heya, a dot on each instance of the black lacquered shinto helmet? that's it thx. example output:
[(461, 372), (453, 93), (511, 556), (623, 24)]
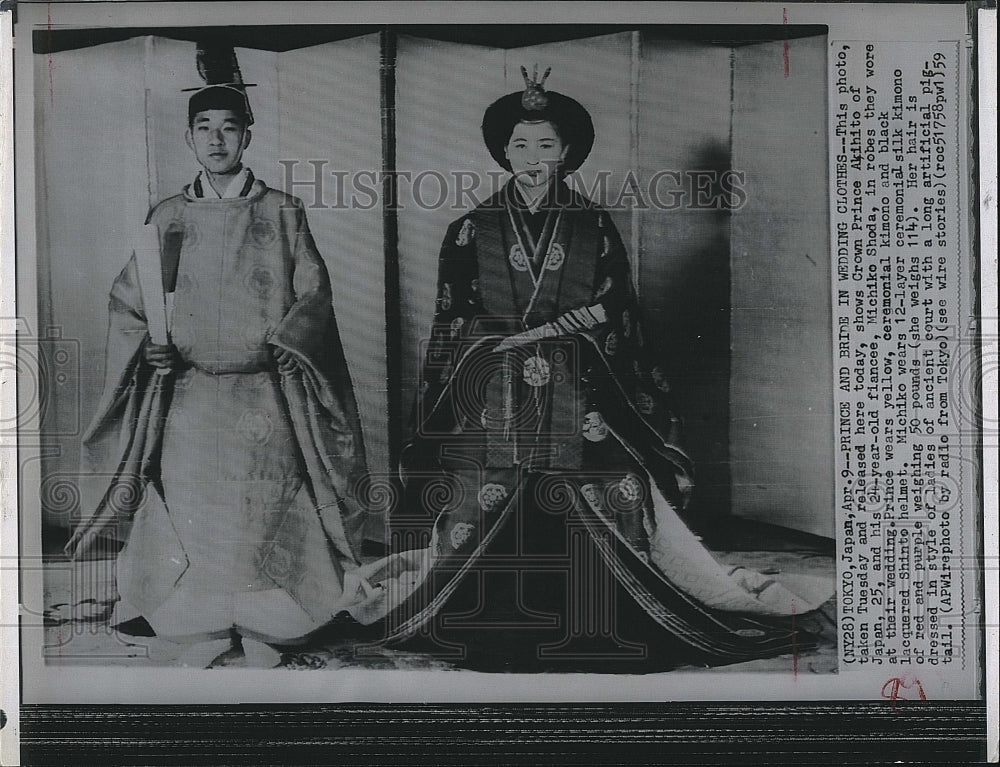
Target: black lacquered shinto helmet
[(534, 104)]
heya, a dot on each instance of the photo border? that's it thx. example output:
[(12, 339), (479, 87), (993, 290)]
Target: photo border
[(681, 733)]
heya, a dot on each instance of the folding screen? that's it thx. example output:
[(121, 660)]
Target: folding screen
[(781, 430), (107, 150), (441, 92), (330, 113), (738, 300), (683, 260), (92, 194)]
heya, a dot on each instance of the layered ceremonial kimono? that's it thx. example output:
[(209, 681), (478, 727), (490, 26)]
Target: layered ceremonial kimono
[(230, 483), (547, 471)]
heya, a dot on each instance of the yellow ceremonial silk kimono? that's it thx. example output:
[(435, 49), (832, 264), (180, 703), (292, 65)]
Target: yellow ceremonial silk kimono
[(230, 483)]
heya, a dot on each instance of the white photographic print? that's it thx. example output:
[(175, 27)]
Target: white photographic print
[(443, 359)]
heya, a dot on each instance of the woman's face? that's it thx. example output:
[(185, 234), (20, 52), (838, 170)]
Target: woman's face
[(535, 151)]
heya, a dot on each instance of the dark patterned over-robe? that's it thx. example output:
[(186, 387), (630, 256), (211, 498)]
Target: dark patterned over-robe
[(546, 471)]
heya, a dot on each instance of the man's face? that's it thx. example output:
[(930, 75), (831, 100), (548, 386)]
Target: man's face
[(218, 138), (535, 151)]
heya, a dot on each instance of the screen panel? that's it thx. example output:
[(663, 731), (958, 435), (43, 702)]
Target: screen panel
[(781, 419)]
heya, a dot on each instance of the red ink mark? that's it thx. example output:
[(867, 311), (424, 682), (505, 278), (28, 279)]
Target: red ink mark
[(784, 52), (903, 688)]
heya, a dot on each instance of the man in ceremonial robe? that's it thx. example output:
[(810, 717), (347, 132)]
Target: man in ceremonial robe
[(228, 452)]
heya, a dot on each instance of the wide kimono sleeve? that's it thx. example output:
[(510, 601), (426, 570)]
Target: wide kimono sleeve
[(633, 356), (120, 445), (457, 306), (632, 370), (636, 360), (320, 394)]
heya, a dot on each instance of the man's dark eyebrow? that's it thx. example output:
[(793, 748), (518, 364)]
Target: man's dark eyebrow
[(233, 120)]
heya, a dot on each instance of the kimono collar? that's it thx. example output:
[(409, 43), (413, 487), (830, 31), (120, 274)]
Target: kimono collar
[(239, 186), (557, 196)]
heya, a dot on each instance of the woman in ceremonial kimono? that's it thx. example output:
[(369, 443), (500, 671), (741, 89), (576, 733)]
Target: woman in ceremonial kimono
[(548, 452), (227, 440)]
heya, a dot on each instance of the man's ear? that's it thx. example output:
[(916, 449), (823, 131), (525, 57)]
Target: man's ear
[(189, 139), (565, 152), (246, 138)]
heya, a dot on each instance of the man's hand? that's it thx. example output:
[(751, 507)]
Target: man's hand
[(287, 364), (163, 356)]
